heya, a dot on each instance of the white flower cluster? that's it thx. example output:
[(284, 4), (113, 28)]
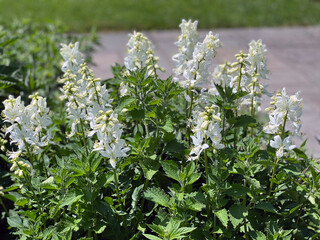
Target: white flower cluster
[(245, 74), (207, 127), (30, 127), (257, 58), (84, 94), (109, 131), (141, 54), (186, 44), (88, 101), (286, 110), (280, 145), (194, 67)]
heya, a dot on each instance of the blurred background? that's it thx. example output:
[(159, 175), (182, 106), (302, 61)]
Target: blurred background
[(106, 15)]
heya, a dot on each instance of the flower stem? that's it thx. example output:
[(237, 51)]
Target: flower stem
[(273, 173), (4, 207), (117, 187)]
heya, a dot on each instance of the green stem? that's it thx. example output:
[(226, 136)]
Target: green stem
[(119, 200), (146, 128), (283, 131), (117, 187), (245, 219), (189, 114), (4, 207), (83, 137), (273, 173), (214, 226)]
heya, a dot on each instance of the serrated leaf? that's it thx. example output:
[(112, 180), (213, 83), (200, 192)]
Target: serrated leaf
[(151, 237), (267, 206), (49, 184), (237, 214), (70, 198), (168, 127), (158, 196), (194, 205), (14, 220), (223, 216), (175, 146), (124, 102), (136, 195), (257, 235), (21, 202), (237, 190), (178, 233), (171, 169), (150, 167)]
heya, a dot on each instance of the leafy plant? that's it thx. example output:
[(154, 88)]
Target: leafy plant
[(139, 157)]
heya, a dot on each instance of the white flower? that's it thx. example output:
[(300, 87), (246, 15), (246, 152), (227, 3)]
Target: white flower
[(197, 69), (214, 133), (73, 58), (287, 108), (276, 119), (30, 125), (257, 58), (141, 54), (197, 141), (280, 145)]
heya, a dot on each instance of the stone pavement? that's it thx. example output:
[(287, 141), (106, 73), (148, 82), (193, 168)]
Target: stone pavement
[(293, 61)]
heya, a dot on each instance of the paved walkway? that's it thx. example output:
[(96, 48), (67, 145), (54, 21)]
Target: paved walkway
[(293, 60)]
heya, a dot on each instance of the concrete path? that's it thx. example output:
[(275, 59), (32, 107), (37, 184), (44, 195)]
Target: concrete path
[(293, 60)]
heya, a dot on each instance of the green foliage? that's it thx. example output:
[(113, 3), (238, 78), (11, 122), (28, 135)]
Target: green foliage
[(240, 191), (30, 60)]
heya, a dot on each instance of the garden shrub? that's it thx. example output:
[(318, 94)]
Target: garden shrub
[(139, 157)]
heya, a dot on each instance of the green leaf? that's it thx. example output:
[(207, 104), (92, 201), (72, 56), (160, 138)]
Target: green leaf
[(237, 190), (136, 195), (223, 216), (267, 206), (237, 214), (157, 228), (158, 196), (95, 162), (168, 127), (150, 167), (175, 146), (152, 237), (171, 169), (257, 235), (194, 205), (137, 114), (14, 220), (178, 233), (242, 121), (70, 198), (49, 184), (124, 102), (22, 201)]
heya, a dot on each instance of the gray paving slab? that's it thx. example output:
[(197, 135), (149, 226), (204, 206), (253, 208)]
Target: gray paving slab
[(293, 60)]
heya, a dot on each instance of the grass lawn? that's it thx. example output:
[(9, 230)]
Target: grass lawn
[(81, 15)]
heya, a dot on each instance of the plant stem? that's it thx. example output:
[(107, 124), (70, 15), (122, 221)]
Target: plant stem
[(245, 219), (117, 187), (273, 173), (4, 207), (83, 137)]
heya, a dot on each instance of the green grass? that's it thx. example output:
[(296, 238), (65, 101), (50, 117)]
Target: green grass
[(82, 15)]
